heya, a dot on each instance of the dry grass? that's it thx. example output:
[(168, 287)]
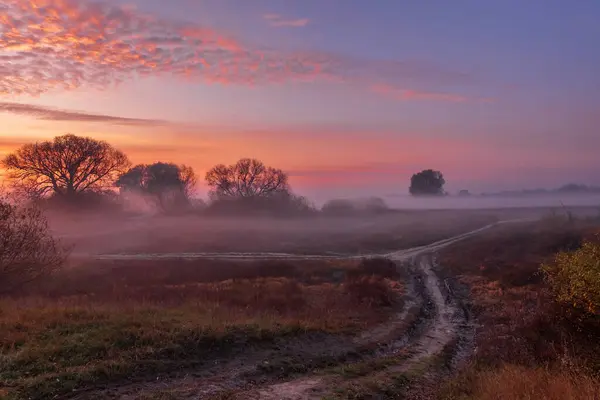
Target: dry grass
[(512, 382), (520, 321), (90, 327), (523, 330)]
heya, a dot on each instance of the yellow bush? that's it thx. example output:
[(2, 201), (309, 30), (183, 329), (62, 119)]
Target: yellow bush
[(575, 277)]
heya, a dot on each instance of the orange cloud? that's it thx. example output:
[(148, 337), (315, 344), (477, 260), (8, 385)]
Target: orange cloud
[(278, 21), (48, 45), (66, 44)]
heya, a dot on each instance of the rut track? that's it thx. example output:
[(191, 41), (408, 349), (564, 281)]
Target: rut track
[(440, 321), (445, 323)]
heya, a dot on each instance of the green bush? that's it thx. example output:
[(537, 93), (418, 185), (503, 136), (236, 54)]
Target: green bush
[(574, 277)]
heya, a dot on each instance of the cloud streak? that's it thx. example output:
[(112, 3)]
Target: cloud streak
[(352, 169), (52, 45), (418, 95), (405, 94), (277, 21), (53, 114)]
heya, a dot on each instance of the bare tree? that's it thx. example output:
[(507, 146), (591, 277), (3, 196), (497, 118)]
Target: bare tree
[(67, 166), (248, 178), (188, 179), (27, 249)]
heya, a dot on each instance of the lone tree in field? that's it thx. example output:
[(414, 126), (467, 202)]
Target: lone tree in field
[(247, 179), (169, 184), (67, 166), (27, 249), (427, 183)]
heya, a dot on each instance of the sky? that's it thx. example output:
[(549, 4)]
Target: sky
[(350, 97)]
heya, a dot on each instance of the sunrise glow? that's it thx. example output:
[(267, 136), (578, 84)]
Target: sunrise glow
[(348, 98)]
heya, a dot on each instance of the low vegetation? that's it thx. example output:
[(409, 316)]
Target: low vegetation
[(27, 249), (515, 382), (105, 323), (574, 278), (531, 343)]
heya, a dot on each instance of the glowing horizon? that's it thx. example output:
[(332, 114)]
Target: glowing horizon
[(340, 109)]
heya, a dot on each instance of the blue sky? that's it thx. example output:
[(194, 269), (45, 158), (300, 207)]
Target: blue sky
[(496, 94)]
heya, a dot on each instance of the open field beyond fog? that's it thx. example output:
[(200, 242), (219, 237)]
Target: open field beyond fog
[(339, 328), (388, 231)]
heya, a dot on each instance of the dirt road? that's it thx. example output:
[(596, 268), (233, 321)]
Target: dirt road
[(430, 322), (445, 323)]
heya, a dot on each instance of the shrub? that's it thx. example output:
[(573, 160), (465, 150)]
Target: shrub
[(342, 207), (27, 249), (575, 278), (279, 204), (371, 290), (338, 207), (379, 266)]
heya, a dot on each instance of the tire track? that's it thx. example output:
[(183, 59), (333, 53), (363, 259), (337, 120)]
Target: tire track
[(445, 323), (440, 321)]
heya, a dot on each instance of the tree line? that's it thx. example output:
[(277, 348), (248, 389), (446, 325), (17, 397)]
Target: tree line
[(71, 167)]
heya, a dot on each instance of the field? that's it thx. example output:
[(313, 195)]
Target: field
[(145, 310), (527, 345), (389, 231), (103, 325)]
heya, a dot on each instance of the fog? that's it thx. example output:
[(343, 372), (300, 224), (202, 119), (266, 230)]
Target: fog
[(493, 202), (140, 230)]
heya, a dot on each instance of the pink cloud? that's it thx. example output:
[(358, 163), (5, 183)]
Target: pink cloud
[(278, 21), (51, 45), (407, 94), (65, 44)]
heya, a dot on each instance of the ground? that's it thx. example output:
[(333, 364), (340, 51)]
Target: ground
[(389, 307)]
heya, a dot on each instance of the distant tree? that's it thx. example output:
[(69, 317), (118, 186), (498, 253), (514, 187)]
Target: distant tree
[(168, 184), (353, 206), (67, 166), (464, 193), (250, 187), (427, 183), (573, 188), (339, 207), (248, 178), (28, 251), (374, 204)]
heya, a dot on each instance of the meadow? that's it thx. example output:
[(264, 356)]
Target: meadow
[(91, 326), (350, 325)]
